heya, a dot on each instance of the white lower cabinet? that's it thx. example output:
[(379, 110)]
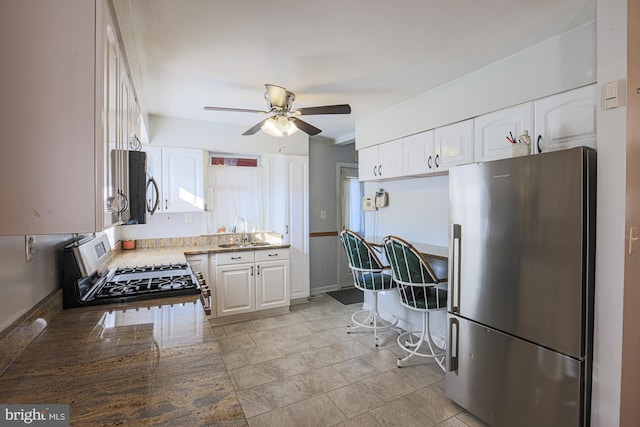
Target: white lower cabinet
[(270, 277), (249, 281)]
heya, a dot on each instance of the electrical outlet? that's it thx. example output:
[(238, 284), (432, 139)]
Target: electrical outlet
[(187, 218), (323, 214), (29, 247), (169, 218)]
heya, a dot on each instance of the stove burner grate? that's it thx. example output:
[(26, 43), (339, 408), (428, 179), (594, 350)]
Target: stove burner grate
[(137, 281)]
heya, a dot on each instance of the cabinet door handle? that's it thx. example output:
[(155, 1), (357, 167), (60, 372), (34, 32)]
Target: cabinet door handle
[(258, 267), (252, 270), (455, 267), (375, 171), (429, 162), (236, 257), (272, 255), (125, 202), (380, 170), (437, 157), (166, 203), (538, 143)]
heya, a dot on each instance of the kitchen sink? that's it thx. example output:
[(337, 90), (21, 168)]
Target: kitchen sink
[(243, 245)]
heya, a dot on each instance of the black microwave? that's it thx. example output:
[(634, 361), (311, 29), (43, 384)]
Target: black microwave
[(137, 187)]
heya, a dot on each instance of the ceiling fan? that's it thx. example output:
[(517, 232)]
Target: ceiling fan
[(285, 121)]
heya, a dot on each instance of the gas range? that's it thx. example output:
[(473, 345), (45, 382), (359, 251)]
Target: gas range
[(87, 281), (176, 279)]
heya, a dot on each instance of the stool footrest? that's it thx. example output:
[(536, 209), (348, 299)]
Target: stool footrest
[(419, 344), (373, 321)]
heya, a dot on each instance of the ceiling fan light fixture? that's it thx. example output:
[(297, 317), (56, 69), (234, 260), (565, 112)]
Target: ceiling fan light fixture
[(279, 126)]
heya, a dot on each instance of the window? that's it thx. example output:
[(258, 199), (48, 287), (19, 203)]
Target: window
[(236, 189)]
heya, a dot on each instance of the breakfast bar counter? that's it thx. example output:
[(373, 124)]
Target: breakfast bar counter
[(153, 362), (436, 251)]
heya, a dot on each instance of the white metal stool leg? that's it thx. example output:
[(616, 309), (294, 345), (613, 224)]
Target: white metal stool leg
[(373, 321), (405, 341)]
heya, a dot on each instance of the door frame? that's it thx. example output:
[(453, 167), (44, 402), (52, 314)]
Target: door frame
[(339, 248)]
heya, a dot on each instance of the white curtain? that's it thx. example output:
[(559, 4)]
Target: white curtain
[(352, 214), (236, 192)]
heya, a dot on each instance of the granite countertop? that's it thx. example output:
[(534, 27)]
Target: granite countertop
[(152, 362), (173, 254)]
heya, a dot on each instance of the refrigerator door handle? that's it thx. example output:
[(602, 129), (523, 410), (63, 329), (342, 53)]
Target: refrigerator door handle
[(454, 263), (452, 348)]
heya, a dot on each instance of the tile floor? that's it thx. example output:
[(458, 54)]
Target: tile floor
[(303, 369)]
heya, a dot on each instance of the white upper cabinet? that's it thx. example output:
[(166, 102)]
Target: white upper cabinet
[(368, 164), (391, 159), (492, 130), (419, 153), (182, 179), (566, 120), (453, 145), (59, 117), (382, 161)]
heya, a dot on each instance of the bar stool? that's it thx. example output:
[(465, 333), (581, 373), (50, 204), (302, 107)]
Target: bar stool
[(369, 275), (420, 290)]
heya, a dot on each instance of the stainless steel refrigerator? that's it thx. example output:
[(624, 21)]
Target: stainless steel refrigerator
[(521, 277)]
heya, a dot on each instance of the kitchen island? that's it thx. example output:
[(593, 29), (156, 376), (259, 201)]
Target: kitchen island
[(153, 362)]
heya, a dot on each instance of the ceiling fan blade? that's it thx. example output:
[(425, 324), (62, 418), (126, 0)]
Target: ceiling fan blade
[(277, 95), (327, 109), (305, 127), (255, 128), (240, 110)]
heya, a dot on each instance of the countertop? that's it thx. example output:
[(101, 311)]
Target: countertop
[(428, 249), (173, 254), (152, 362)]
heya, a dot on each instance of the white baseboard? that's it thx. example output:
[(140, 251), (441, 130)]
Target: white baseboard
[(327, 288)]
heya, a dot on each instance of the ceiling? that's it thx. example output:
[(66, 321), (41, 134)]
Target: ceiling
[(190, 53)]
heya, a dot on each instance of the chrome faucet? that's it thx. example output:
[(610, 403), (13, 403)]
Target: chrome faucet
[(244, 228)]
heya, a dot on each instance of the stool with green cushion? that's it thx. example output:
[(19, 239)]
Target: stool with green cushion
[(369, 275), (420, 290)]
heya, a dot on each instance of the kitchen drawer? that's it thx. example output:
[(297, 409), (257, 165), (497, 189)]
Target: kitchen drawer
[(238, 257), (272, 254)]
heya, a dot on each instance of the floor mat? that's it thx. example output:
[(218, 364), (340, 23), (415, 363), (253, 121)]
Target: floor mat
[(348, 296)]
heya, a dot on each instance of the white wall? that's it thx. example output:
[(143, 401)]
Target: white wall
[(323, 262), (562, 63), (163, 225), (219, 137), (610, 244), (569, 62), (22, 284), (418, 211), (214, 137)]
